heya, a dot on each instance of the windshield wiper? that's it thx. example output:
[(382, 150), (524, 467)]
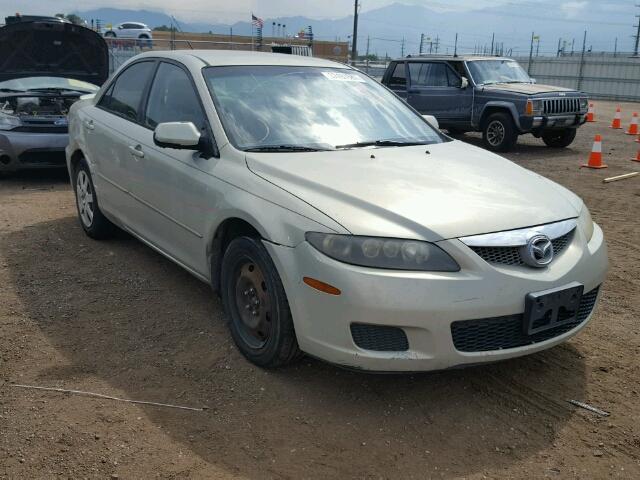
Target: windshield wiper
[(11, 90), (283, 148), (58, 89), (381, 143)]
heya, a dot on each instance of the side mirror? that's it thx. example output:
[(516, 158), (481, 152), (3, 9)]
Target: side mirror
[(120, 27), (182, 135), (431, 120), (464, 83), (533, 80)]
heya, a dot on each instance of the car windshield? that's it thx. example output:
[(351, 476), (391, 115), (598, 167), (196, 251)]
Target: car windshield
[(287, 108), (486, 72), (47, 83)]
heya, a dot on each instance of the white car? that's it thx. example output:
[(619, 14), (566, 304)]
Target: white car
[(330, 216), (129, 30)]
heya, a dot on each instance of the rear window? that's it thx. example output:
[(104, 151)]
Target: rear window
[(125, 95)]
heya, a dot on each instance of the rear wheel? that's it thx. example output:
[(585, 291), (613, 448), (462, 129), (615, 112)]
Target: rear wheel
[(94, 223), (499, 133), (256, 305), (110, 34), (559, 138)]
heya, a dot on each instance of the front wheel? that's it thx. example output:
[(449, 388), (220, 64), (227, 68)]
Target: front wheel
[(256, 305), (499, 133), (110, 35), (559, 138)]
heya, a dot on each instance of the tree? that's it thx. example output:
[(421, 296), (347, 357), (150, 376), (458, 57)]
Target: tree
[(164, 28), (72, 17)]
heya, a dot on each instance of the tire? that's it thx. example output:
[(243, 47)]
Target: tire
[(256, 305), (499, 132), (93, 222), (559, 138), (110, 34)]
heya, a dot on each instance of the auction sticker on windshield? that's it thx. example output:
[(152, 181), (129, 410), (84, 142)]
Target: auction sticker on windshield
[(343, 77)]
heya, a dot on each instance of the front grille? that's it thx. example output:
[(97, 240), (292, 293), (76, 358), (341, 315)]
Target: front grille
[(511, 255), (554, 106), (499, 333), (41, 129), (43, 157), (379, 338)]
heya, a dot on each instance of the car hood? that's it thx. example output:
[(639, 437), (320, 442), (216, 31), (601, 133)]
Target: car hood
[(52, 49), (527, 88), (453, 190)]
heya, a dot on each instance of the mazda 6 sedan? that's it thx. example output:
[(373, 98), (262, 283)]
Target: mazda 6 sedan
[(332, 218)]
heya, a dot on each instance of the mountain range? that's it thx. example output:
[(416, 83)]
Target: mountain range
[(397, 28)]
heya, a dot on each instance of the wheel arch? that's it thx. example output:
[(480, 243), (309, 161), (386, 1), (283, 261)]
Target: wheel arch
[(74, 160), (499, 107)]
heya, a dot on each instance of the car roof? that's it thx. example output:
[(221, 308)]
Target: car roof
[(451, 57), (240, 57)]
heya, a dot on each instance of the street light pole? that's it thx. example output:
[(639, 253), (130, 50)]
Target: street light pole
[(354, 39)]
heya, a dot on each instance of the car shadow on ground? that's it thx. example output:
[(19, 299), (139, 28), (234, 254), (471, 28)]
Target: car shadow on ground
[(527, 144), (120, 312), (43, 178)]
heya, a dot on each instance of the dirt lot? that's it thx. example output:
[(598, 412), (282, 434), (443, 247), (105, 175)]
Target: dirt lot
[(119, 319)]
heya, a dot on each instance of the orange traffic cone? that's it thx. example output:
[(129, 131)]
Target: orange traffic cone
[(617, 120), (591, 113), (633, 128), (637, 157), (595, 158)]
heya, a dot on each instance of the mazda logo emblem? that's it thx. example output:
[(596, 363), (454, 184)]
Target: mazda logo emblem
[(538, 252)]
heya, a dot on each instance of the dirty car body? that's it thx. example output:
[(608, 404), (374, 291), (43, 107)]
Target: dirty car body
[(330, 216), (45, 66)]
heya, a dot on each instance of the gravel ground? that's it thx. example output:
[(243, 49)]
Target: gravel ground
[(118, 319)]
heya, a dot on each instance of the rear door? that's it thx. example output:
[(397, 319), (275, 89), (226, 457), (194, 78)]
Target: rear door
[(434, 89), (397, 79), (111, 126)]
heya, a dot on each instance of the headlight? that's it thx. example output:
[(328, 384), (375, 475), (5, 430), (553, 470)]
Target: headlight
[(9, 122), (584, 103), (534, 107), (388, 253), (586, 223)]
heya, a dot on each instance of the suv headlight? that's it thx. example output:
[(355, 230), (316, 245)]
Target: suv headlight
[(584, 103), (534, 107), (387, 253), (9, 122), (586, 223)]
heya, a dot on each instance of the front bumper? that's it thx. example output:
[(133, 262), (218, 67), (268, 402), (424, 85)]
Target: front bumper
[(423, 304), (23, 150), (546, 122)]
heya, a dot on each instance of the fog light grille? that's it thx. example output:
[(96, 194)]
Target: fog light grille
[(379, 338), (506, 332)]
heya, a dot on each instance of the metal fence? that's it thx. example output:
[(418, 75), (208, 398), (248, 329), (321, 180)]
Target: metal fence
[(601, 76)]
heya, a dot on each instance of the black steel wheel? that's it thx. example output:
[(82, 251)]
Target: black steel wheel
[(256, 304), (499, 132)]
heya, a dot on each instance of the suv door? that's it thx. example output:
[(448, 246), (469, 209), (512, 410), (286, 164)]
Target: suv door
[(110, 127), (435, 89), (397, 79), (174, 185)]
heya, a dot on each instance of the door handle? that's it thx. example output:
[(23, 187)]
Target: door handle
[(136, 151), (89, 124)]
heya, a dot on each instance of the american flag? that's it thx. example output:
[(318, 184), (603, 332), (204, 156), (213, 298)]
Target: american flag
[(258, 22)]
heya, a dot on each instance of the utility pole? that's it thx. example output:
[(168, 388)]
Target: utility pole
[(366, 58), (354, 37), (421, 43), (637, 35), (538, 46), (493, 37), (530, 54), (402, 48), (584, 46), (573, 44), (437, 43), (455, 46), (558, 51), (615, 48)]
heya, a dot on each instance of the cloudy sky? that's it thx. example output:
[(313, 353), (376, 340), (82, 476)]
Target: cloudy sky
[(224, 11)]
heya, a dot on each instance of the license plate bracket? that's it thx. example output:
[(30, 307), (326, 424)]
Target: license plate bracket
[(552, 308)]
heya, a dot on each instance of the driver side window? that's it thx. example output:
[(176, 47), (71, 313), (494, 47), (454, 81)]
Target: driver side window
[(124, 97)]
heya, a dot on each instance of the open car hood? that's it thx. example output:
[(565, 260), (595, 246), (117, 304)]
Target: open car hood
[(52, 49)]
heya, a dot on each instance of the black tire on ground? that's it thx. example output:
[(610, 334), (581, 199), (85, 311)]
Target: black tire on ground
[(110, 34), (93, 222), (256, 305), (559, 138), (499, 132)]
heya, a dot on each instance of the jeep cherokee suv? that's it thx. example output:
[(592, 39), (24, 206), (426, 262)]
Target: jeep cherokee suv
[(491, 95)]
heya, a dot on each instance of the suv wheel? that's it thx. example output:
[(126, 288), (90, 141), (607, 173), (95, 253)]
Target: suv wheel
[(256, 305), (94, 223), (559, 138), (499, 132), (110, 34)]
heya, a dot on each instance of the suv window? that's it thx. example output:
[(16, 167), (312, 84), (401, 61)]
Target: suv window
[(432, 74), (133, 26), (125, 95), (172, 98), (398, 77)]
